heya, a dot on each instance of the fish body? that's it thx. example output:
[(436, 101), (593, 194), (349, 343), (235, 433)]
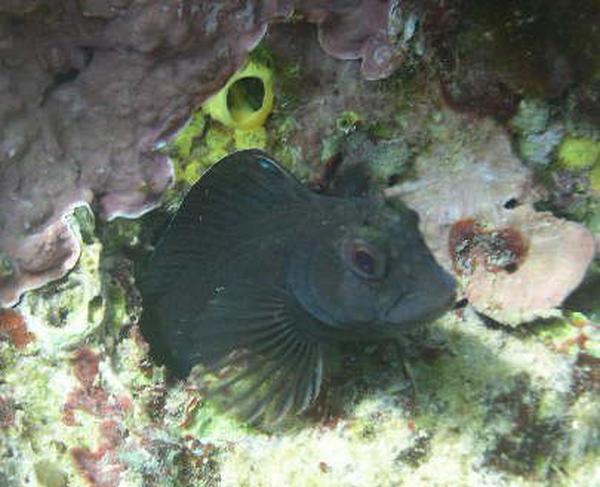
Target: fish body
[(256, 275)]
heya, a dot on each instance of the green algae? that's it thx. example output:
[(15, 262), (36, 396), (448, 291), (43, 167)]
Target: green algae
[(348, 121), (184, 141), (537, 137), (48, 474), (539, 148), (6, 267), (462, 411), (57, 414), (576, 153), (38, 428), (532, 116), (119, 235), (595, 180)]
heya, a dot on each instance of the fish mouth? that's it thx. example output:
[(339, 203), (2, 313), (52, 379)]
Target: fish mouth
[(422, 305)]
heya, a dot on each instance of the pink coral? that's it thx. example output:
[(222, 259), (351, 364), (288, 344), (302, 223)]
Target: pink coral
[(38, 258), (558, 252)]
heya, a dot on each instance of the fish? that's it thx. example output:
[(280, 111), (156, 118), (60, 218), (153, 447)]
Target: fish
[(256, 277)]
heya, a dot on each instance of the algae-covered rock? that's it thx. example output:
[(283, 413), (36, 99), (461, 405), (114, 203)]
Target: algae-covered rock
[(532, 116), (6, 268), (67, 311)]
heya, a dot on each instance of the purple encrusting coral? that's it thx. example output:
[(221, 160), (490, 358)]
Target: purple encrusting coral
[(375, 31), (87, 93)]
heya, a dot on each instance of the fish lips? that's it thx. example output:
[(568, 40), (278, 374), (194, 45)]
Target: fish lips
[(423, 305)]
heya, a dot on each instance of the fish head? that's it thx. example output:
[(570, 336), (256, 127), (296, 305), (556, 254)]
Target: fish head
[(370, 272)]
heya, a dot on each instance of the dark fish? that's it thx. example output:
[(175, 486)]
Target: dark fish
[(256, 275)]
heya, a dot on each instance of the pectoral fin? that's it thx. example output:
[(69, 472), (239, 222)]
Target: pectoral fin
[(261, 346)]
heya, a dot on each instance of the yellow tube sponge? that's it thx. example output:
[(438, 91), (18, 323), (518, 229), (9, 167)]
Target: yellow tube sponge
[(246, 100)]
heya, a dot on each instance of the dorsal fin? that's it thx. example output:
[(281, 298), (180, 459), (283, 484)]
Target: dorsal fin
[(238, 191)]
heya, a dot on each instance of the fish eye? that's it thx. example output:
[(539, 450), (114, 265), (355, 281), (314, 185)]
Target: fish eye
[(365, 259)]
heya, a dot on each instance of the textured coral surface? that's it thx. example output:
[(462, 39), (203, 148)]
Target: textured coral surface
[(87, 92)]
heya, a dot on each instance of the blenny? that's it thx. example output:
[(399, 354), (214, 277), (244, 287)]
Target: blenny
[(256, 276)]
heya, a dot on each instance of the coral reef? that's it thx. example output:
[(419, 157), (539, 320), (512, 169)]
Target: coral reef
[(537, 136), (466, 400), (79, 79), (85, 416), (516, 288), (579, 153), (492, 408), (496, 53)]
